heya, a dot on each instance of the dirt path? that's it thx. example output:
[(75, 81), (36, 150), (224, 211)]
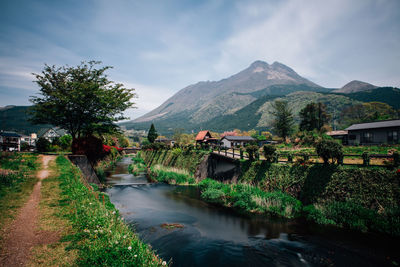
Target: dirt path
[(22, 234)]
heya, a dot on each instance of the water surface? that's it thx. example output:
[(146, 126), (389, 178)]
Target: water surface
[(213, 236)]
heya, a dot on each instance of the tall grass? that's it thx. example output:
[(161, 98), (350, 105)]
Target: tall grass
[(249, 198), (100, 235), (171, 175)]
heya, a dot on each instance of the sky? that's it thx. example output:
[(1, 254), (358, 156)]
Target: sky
[(160, 47)]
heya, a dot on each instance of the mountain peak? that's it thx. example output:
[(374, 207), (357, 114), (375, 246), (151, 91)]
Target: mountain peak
[(259, 63), (355, 86)]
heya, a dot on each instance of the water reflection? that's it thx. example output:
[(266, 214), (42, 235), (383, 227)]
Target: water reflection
[(214, 236)]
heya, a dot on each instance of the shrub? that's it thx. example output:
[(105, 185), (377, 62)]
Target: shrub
[(213, 195), (329, 149), (269, 151), (251, 150), (42, 145)]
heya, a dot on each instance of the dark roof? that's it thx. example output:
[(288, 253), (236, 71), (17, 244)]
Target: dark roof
[(373, 125), (238, 138), (10, 134), (59, 131)]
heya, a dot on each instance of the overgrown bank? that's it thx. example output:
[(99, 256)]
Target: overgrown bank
[(365, 199), (99, 234)]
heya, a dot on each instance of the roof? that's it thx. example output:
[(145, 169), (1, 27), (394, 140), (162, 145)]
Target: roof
[(58, 130), (201, 135), (373, 125), (333, 133), (10, 134), (238, 138)]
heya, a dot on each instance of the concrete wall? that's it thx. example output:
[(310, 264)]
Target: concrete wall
[(218, 167), (84, 165)]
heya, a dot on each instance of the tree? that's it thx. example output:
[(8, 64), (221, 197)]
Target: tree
[(81, 99), (313, 116), (283, 118), (368, 112), (152, 134)]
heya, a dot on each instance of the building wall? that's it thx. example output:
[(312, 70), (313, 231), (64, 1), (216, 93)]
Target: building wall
[(226, 143)]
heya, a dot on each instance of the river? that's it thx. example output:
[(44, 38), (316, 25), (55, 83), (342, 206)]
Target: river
[(213, 236)]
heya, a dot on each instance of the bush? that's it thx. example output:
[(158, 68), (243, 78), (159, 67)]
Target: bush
[(66, 142), (252, 150), (213, 195), (42, 145), (329, 149), (269, 151)]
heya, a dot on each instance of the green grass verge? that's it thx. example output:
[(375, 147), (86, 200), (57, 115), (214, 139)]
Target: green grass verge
[(100, 235)]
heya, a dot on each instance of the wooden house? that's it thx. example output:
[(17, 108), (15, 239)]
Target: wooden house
[(204, 137), (374, 133)]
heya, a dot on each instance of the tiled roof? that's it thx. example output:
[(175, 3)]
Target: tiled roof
[(201, 135), (373, 125)]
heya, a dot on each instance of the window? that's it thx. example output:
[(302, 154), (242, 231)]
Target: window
[(367, 137), (392, 136), (352, 137)]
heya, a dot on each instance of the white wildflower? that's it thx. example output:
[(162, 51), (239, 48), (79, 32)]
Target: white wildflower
[(135, 255), (164, 263), (129, 247)]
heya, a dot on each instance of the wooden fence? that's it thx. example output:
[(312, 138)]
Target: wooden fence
[(356, 159)]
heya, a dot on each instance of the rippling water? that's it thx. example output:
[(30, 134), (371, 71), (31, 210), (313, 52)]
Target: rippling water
[(213, 236)]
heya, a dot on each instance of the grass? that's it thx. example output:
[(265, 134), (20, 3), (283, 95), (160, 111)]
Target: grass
[(17, 178), (171, 175), (249, 198), (106, 164), (137, 166), (100, 236)]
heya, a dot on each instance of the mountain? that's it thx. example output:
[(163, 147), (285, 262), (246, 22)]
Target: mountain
[(198, 103), (388, 95), (15, 118), (355, 86), (206, 100)]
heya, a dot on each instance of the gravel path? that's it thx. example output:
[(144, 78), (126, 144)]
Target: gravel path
[(22, 234)]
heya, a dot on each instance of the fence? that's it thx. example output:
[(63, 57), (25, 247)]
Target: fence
[(355, 159)]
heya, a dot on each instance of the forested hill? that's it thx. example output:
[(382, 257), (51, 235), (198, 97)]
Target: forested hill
[(15, 118)]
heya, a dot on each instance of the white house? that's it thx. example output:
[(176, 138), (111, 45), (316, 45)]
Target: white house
[(230, 141)]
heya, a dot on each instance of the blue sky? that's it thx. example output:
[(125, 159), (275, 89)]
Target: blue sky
[(159, 47)]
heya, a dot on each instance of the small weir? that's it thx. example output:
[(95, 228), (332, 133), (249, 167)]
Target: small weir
[(182, 227)]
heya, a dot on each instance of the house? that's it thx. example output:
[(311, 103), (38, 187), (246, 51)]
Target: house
[(10, 141), (164, 140), (204, 137), (340, 135), (51, 133), (380, 132), (230, 141)]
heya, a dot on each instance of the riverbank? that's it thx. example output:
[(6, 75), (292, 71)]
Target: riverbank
[(85, 228), (363, 199)]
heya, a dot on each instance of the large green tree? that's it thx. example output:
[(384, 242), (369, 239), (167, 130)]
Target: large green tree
[(313, 116), (80, 99), (283, 118), (152, 135)]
